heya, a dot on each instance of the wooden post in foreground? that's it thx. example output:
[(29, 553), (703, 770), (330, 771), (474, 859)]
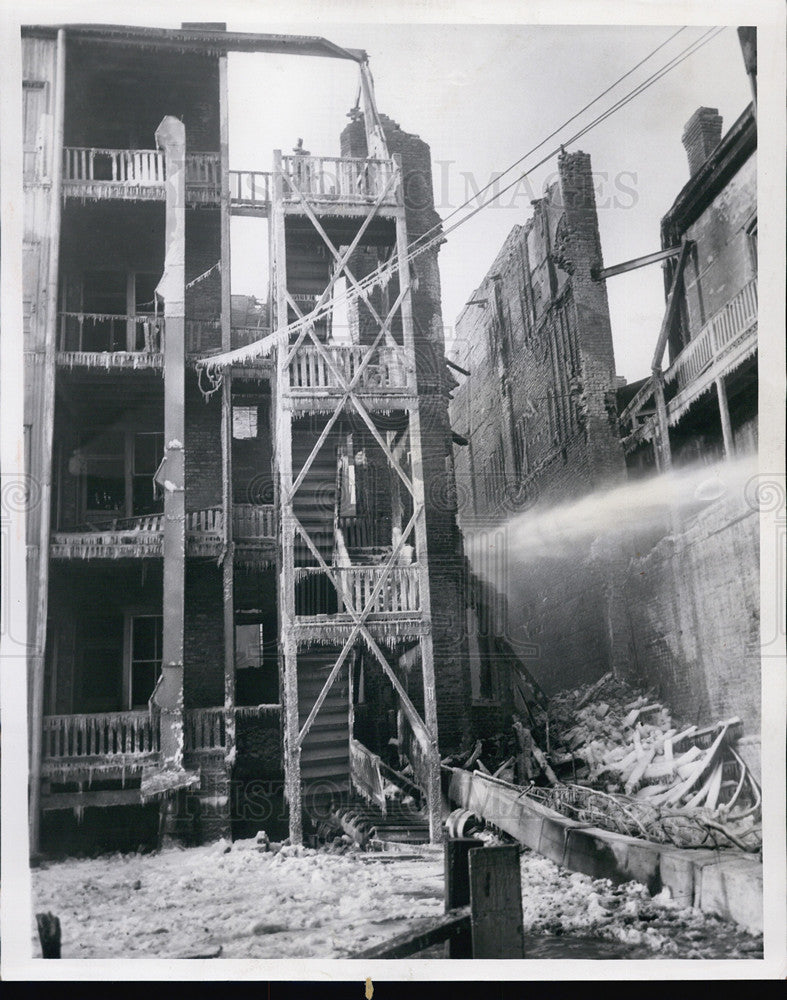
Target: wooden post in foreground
[(496, 903), (49, 934), (457, 889)]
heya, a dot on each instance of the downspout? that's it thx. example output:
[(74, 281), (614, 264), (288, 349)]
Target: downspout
[(41, 607)]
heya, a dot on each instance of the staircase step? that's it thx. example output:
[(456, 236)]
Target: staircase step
[(333, 753)]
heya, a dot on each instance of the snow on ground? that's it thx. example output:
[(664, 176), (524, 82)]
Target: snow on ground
[(317, 904), (557, 901)]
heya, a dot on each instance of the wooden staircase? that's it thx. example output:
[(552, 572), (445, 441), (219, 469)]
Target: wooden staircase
[(325, 754)]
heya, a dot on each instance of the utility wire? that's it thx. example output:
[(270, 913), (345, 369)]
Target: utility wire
[(414, 250), (684, 54), (552, 134)]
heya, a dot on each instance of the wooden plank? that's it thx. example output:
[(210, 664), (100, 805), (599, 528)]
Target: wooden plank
[(457, 889), (496, 903), (97, 799), (38, 579), (439, 929)]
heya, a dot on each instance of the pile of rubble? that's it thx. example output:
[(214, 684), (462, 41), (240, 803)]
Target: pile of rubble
[(614, 757)]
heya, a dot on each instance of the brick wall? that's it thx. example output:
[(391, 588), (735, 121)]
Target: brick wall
[(538, 409), (203, 680), (692, 625), (452, 676), (203, 448)]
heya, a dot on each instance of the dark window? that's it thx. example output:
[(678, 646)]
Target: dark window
[(104, 297), (146, 645), (148, 452)]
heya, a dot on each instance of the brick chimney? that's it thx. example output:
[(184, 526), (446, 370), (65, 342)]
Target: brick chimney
[(701, 136)]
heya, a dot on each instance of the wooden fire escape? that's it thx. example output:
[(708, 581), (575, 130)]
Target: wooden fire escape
[(315, 376)]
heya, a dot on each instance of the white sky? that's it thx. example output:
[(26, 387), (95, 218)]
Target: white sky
[(481, 96)]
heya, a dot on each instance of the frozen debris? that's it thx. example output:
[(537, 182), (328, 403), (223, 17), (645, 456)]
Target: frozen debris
[(626, 765)]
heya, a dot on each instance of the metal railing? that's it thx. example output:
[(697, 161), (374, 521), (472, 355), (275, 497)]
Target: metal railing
[(102, 734), (331, 178)]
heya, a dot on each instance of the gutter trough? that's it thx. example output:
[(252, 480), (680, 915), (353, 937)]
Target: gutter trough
[(727, 883)]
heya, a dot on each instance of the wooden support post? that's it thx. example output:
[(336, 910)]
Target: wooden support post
[(38, 567), (496, 903), (663, 451), (457, 889), (286, 575), (228, 560), (724, 413), (427, 647), (171, 136), (49, 934)]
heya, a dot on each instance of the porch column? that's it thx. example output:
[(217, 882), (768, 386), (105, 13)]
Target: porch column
[(664, 451), (171, 137), (228, 552), (724, 413)]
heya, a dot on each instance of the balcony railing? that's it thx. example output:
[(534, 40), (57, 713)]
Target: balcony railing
[(398, 594), (254, 521), (365, 775), (136, 174), (98, 333), (250, 192), (344, 179), (737, 317), (728, 337), (310, 371), (113, 537), (204, 729), (86, 737)]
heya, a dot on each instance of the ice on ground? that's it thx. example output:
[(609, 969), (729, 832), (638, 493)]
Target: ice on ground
[(254, 902)]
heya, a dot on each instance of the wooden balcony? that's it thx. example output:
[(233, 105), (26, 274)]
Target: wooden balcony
[(727, 339), (93, 174), (395, 610), (315, 374), (250, 193), (328, 182), (723, 342), (109, 342), (143, 537), (105, 743)]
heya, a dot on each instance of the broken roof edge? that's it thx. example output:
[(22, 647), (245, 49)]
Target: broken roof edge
[(199, 38)]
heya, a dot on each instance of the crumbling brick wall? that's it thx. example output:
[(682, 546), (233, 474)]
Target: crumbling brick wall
[(538, 411)]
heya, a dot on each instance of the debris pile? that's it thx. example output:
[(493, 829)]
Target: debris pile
[(609, 755)]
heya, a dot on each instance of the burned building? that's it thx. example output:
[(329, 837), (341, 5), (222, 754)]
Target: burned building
[(703, 403), (536, 410), (236, 571), (668, 600)]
